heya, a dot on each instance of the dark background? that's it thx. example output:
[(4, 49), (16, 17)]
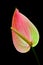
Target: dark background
[(33, 10)]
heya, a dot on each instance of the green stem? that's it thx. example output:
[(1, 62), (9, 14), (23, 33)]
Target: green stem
[(36, 56)]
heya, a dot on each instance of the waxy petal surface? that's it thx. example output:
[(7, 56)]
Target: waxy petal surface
[(23, 25)]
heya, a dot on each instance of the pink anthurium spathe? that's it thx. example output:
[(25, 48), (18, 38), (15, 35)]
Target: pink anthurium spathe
[(24, 33)]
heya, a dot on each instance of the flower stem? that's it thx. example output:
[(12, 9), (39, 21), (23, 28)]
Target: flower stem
[(36, 56)]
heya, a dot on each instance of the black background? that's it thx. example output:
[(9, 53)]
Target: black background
[(33, 10)]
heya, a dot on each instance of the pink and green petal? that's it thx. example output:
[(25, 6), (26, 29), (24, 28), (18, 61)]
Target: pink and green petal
[(24, 26)]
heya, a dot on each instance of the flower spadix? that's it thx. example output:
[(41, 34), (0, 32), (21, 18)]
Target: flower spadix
[(24, 34)]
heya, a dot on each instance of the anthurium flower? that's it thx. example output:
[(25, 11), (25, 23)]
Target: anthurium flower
[(24, 33)]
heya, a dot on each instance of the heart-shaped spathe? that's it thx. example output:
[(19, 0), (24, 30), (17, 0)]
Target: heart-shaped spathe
[(21, 24)]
